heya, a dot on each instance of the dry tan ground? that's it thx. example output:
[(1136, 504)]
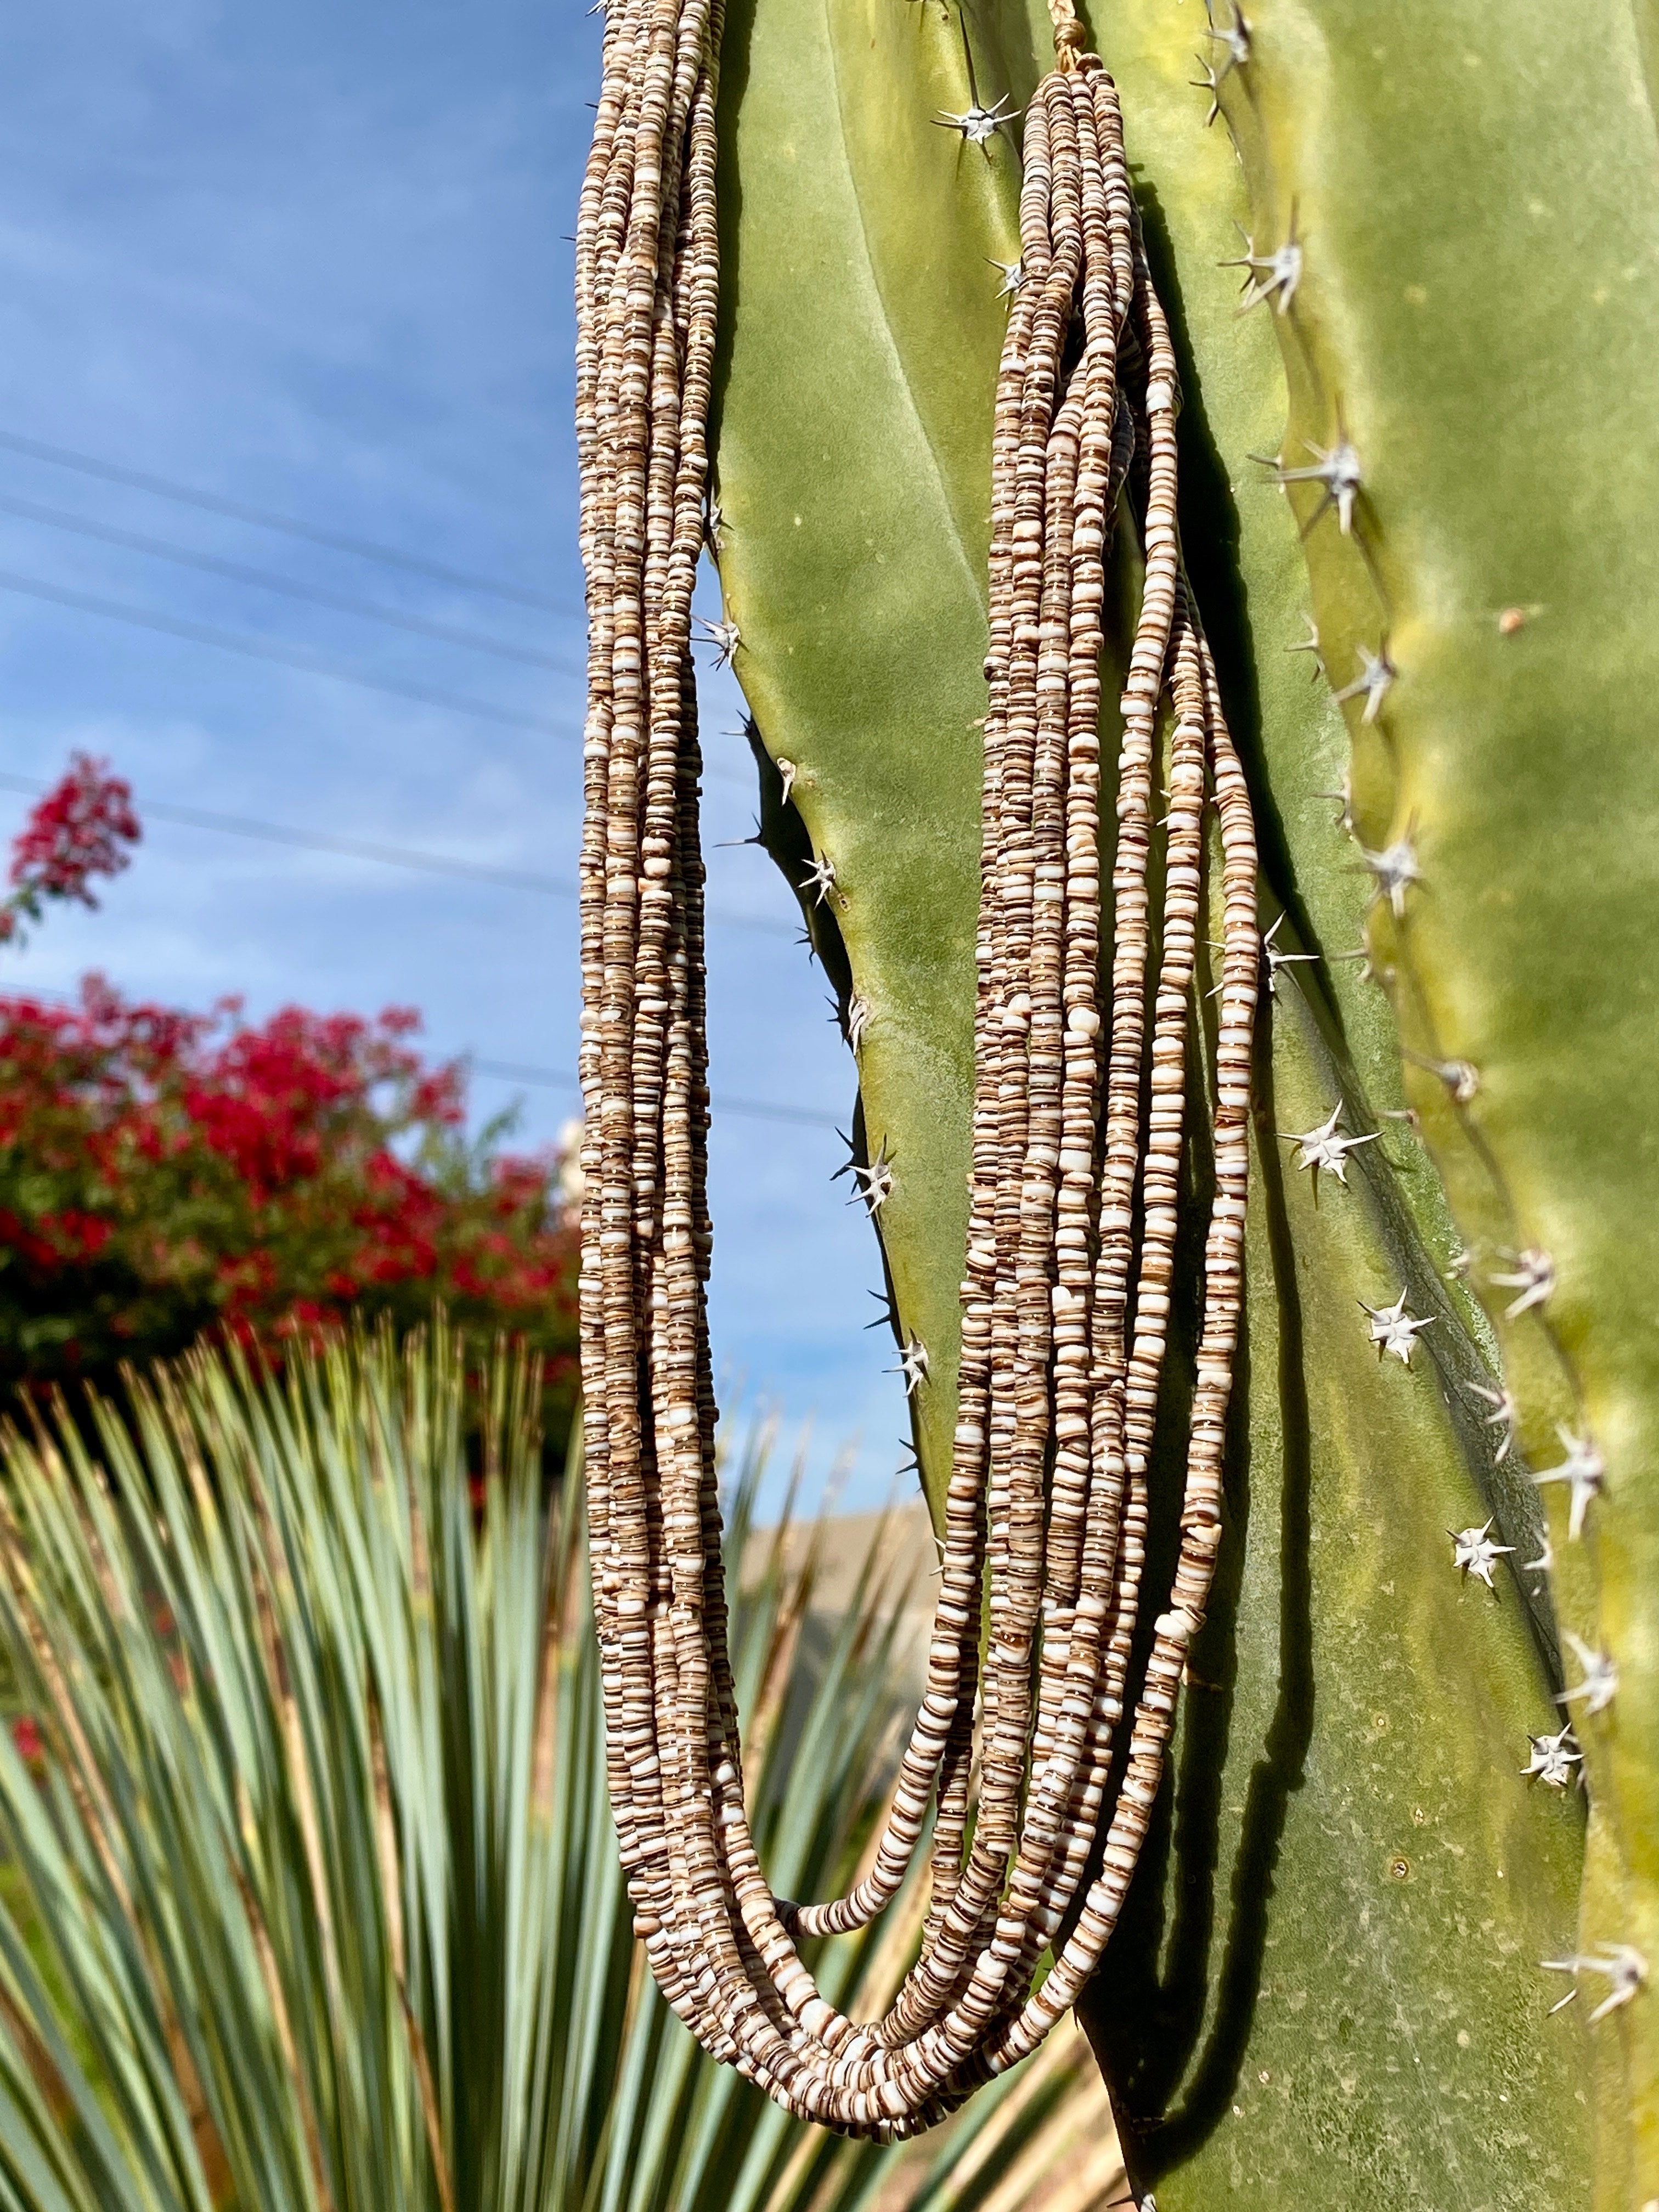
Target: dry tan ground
[(905, 1561)]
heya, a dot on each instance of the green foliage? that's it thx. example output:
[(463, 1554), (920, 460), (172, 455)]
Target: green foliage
[(1329, 1987), (311, 1896), (163, 1174)]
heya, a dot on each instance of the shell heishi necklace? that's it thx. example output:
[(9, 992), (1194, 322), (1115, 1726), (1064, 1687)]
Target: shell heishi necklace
[(1078, 1129)]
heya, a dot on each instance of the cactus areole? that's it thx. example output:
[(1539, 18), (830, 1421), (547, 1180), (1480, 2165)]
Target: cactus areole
[(1081, 1056)]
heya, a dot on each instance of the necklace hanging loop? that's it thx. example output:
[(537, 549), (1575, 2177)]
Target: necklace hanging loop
[(1071, 40)]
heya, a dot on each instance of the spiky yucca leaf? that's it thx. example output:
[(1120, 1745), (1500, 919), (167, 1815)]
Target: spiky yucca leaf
[(312, 1900)]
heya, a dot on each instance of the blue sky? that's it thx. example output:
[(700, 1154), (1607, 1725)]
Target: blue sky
[(310, 261)]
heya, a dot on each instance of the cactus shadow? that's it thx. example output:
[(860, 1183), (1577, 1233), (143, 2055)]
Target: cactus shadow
[(1210, 537), (1172, 2010), (736, 43)]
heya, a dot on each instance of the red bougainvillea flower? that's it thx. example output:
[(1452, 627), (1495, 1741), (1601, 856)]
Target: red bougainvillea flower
[(163, 1173), (77, 832)]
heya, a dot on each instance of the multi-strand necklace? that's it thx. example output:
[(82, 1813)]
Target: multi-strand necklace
[(1037, 1807)]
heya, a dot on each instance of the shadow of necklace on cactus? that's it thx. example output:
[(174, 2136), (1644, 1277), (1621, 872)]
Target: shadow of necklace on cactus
[(1036, 1801)]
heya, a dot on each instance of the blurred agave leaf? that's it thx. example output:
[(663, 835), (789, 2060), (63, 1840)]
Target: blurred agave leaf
[(311, 1896)]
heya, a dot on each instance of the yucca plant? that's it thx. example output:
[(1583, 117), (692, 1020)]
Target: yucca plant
[(309, 1896), (1406, 255)]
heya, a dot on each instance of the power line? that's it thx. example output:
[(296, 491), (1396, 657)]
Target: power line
[(35, 587), (552, 1078), (562, 1080), (161, 548), (64, 456), (390, 856)]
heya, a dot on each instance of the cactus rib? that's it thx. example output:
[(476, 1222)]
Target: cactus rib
[(1504, 544)]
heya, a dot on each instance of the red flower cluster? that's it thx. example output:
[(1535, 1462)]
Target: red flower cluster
[(162, 1172), (77, 832)]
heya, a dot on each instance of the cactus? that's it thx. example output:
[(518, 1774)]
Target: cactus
[(1328, 1983)]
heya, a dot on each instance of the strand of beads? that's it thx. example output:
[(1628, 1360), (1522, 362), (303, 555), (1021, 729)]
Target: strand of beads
[(1070, 1258)]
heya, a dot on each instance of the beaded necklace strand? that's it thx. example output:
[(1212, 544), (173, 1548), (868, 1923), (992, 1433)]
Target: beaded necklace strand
[(1079, 1110)]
